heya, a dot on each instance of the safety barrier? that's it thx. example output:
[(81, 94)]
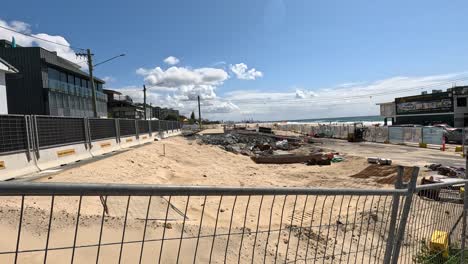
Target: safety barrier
[(117, 223), (155, 129), (29, 144), (128, 135), (60, 140), (144, 132), (382, 134), (103, 136), (16, 157)]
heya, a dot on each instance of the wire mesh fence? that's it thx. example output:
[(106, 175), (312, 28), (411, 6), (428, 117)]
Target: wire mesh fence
[(143, 127), (13, 133), (102, 128), (127, 127), (197, 225), (52, 131), (68, 223)]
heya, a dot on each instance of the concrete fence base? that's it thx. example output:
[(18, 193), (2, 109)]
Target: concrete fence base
[(16, 164)]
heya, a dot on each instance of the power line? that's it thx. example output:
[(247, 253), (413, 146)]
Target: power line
[(329, 99), (46, 40)]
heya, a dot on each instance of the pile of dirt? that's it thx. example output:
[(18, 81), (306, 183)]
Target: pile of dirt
[(384, 174)]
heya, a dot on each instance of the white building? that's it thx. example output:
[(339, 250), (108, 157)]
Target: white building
[(4, 69)]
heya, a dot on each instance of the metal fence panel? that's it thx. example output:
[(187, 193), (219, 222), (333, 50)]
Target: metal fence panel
[(395, 135), (432, 135), (13, 136), (127, 127), (102, 128), (412, 134), (155, 125), (195, 224), (163, 125), (143, 126), (434, 209), (53, 131)]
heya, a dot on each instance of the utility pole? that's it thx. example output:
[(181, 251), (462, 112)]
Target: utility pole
[(199, 113), (144, 99), (89, 56)]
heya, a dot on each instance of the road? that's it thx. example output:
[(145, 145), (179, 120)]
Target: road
[(404, 155)]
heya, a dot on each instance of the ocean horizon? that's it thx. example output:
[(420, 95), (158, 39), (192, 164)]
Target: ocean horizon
[(374, 119)]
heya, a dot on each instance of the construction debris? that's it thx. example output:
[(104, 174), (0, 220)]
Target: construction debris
[(453, 172), (264, 148), (312, 159), (380, 161), (248, 143)]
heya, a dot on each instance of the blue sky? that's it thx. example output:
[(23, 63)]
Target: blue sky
[(303, 52)]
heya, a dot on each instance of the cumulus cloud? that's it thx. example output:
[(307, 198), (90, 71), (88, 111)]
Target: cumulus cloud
[(242, 71), (179, 87), (186, 83), (302, 94), (23, 27), (171, 60)]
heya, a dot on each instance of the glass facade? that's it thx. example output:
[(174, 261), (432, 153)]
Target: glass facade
[(71, 95)]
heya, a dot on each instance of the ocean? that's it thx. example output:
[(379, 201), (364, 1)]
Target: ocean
[(349, 119)]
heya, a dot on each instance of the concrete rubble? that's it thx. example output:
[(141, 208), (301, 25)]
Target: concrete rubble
[(268, 148)]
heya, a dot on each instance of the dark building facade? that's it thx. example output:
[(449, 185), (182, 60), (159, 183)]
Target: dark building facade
[(122, 106), (438, 107), (163, 113), (49, 84)]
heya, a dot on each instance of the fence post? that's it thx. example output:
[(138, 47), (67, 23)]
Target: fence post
[(393, 217), (405, 213), (35, 134), (28, 142), (137, 134), (150, 130), (87, 133), (465, 204), (117, 130)]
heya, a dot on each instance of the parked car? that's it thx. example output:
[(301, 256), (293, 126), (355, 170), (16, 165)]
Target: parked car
[(454, 135)]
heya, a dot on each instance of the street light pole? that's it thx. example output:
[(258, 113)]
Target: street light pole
[(199, 113), (91, 79), (144, 100)]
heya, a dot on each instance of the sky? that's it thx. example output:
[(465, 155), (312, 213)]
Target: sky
[(258, 59)]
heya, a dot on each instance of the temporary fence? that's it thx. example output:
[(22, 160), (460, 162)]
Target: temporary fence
[(84, 223), (32, 143), (380, 134)]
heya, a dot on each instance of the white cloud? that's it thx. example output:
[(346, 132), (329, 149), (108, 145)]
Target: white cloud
[(179, 87), (171, 60), (186, 83), (337, 101), (108, 79), (241, 70), (26, 41), (302, 94)]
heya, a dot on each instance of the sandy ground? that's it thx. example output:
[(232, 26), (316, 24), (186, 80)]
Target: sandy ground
[(328, 229), (188, 163)]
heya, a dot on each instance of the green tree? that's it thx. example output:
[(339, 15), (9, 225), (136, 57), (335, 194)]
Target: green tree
[(192, 118), (172, 117)]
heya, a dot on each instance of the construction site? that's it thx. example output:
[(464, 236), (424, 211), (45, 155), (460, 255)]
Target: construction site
[(248, 194)]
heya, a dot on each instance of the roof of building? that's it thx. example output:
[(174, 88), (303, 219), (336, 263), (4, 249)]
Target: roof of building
[(9, 66), (109, 91), (52, 58)]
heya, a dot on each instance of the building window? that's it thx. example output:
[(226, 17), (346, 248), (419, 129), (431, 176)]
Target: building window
[(54, 78), (461, 101)]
